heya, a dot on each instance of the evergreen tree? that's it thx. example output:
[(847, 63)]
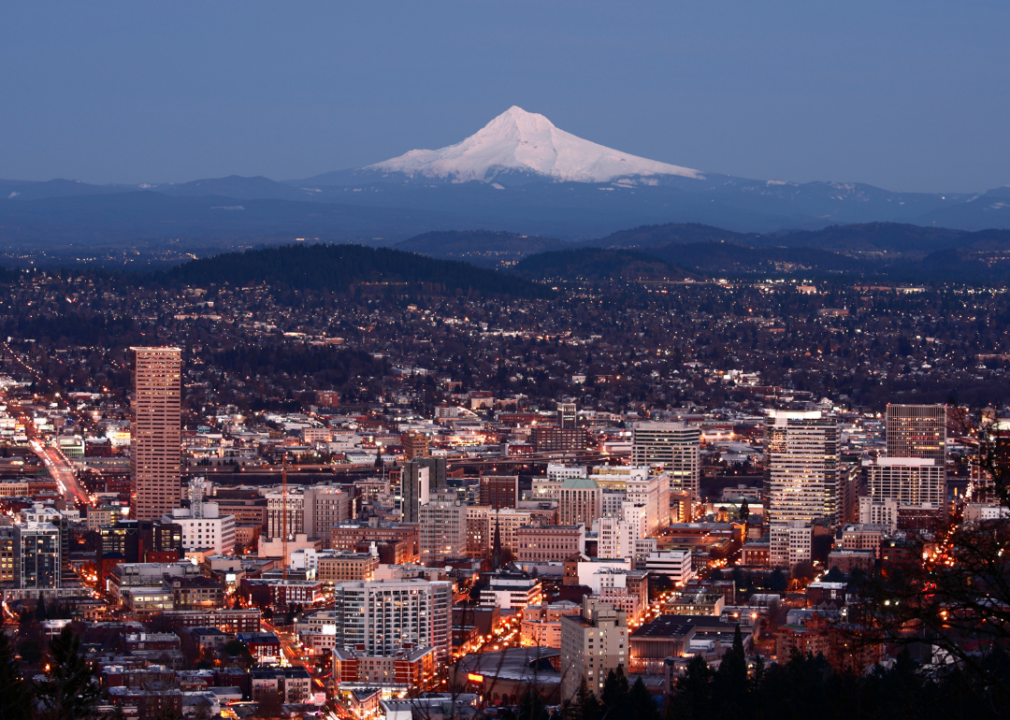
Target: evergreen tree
[(68, 691), (641, 706), (729, 691), (14, 692), (615, 694), (693, 700), (584, 705), (777, 581)]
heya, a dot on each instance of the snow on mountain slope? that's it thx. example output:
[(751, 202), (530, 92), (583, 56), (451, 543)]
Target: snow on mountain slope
[(520, 141)]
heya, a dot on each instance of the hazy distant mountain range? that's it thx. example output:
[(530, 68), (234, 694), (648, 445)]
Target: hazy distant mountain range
[(519, 174)]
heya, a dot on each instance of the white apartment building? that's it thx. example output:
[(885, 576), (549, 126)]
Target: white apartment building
[(384, 617), (980, 512), (589, 571), (653, 493), (879, 512), (675, 564), (611, 502), (558, 472)]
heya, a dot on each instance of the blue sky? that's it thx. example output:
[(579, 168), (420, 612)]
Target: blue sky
[(904, 95)]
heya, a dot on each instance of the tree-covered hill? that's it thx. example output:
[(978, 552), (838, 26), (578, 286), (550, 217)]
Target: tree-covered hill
[(594, 264), (480, 247), (338, 267)]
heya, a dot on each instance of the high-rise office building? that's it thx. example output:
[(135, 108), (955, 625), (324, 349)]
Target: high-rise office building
[(568, 416), (37, 556), (156, 430), (6, 551), (912, 479), (324, 506), (442, 528), (286, 511), (558, 439), (138, 541), (801, 467), (499, 491), (677, 446), (418, 480), (581, 502), (384, 617), (917, 431)]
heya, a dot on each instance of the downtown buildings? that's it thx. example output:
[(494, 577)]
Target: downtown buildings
[(907, 489)]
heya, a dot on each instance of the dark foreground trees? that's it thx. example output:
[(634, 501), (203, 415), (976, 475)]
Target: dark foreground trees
[(68, 690), (806, 687)]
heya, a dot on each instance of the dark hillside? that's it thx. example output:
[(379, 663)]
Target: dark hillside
[(337, 267), (485, 248), (596, 265)]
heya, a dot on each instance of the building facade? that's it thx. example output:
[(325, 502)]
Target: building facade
[(801, 467), (581, 502), (442, 528), (677, 446), (917, 431), (386, 617), (550, 543)]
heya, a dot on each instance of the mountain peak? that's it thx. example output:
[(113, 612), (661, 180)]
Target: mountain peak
[(525, 142), (520, 119)]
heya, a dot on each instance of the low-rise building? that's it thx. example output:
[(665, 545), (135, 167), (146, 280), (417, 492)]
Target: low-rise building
[(541, 624), (550, 543), (290, 684), (510, 590)]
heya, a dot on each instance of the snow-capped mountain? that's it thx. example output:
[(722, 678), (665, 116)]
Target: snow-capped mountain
[(523, 142)]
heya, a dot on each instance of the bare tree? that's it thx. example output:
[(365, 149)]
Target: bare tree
[(954, 601)]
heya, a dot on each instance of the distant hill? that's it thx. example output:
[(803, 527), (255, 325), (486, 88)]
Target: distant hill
[(723, 258), (338, 267), (595, 265), (648, 235), (861, 239), (240, 188), (212, 222), (485, 248)]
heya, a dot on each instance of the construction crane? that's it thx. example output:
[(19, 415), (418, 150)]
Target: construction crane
[(284, 514)]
